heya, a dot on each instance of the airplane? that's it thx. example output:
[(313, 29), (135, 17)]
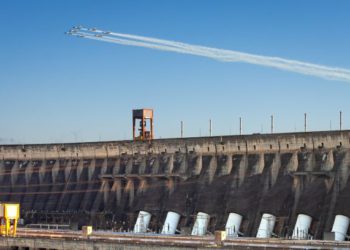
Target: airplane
[(77, 28), (73, 30)]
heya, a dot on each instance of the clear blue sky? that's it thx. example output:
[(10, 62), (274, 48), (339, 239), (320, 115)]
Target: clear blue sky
[(57, 88)]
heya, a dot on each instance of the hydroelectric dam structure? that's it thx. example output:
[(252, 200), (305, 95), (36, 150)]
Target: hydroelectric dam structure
[(297, 182)]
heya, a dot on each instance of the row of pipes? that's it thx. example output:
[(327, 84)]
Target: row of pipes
[(265, 230)]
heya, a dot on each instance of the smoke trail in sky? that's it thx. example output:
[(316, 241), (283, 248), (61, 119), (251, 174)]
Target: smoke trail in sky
[(321, 71)]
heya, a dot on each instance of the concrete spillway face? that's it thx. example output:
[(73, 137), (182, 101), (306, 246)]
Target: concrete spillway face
[(201, 224), (142, 222), (267, 224), (233, 224), (340, 227), (171, 222), (301, 229)]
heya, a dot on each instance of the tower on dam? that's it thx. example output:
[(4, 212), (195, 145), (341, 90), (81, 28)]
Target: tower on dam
[(142, 124), (292, 184)]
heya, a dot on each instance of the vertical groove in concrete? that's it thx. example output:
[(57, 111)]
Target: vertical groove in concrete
[(143, 165), (211, 169), (111, 166), (19, 185), (170, 165), (129, 165), (46, 184), (197, 162), (2, 170), (310, 163), (80, 188), (142, 187), (344, 171), (130, 189), (6, 182), (260, 165), (32, 184), (293, 163), (155, 165), (328, 162), (229, 165), (136, 162), (71, 181), (148, 161), (99, 199), (14, 172), (55, 169), (164, 164), (115, 196), (184, 164), (243, 165), (93, 184), (120, 165), (69, 168), (58, 175), (92, 169), (80, 167), (106, 195), (29, 171), (103, 164), (171, 185), (275, 168), (42, 170)]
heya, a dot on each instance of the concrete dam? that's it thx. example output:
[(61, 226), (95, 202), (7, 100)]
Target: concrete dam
[(280, 185)]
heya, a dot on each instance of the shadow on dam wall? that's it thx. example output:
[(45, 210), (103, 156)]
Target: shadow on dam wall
[(106, 184)]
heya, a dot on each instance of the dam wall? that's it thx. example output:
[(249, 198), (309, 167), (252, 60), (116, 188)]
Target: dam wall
[(106, 184)]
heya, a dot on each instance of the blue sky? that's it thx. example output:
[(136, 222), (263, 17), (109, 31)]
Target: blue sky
[(57, 88)]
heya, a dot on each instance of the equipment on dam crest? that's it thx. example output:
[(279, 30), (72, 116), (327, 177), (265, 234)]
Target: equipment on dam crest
[(171, 222), (142, 121), (301, 229), (201, 224), (9, 215), (266, 226), (340, 227), (233, 224), (142, 222)]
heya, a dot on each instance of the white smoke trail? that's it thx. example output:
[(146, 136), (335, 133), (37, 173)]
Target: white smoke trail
[(321, 71)]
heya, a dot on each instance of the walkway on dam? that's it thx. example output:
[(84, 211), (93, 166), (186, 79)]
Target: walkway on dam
[(102, 240)]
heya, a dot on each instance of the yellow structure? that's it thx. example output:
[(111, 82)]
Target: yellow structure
[(219, 237), (87, 230), (9, 215)]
